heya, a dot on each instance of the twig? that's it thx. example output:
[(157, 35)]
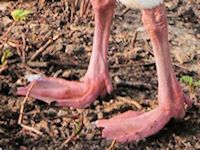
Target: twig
[(23, 48), (131, 65), (22, 110), (141, 29), (43, 48), (57, 73), (7, 32), (82, 8), (30, 69), (74, 134), (43, 64), (1, 46), (139, 85), (3, 67), (88, 6), (72, 10), (134, 39), (37, 64), (130, 101), (31, 129), (112, 146), (67, 65), (125, 11), (23, 103)]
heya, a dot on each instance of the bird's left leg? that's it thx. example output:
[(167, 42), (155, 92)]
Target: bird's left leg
[(80, 94), (133, 126)]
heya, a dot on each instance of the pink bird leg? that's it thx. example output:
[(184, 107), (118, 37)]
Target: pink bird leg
[(96, 80), (132, 126)]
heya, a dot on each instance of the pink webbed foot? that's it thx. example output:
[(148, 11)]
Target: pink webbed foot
[(134, 126), (67, 93)]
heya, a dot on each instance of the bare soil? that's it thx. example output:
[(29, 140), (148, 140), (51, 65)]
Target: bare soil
[(132, 68)]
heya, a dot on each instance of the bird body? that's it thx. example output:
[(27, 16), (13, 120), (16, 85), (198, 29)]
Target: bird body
[(141, 4)]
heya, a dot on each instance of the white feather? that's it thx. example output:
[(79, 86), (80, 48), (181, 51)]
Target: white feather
[(33, 77), (142, 4)]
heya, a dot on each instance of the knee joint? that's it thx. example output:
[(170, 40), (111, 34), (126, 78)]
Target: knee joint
[(102, 4)]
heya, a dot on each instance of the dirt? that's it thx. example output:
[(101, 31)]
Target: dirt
[(132, 68)]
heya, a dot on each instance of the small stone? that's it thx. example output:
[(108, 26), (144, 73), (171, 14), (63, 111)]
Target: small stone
[(87, 124), (69, 48), (34, 28), (79, 50), (51, 112), (96, 103), (66, 74), (181, 56), (89, 136), (78, 146), (21, 81), (62, 113), (44, 28), (197, 146), (100, 115)]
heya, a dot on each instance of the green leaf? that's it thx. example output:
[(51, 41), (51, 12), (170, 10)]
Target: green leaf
[(7, 53), (187, 80), (20, 14), (78, 127), (197, 83)]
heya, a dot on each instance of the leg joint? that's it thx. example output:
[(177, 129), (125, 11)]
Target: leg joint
[(102, 4), (155, 19)]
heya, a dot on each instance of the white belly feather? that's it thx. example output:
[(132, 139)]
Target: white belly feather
[(141, 4)]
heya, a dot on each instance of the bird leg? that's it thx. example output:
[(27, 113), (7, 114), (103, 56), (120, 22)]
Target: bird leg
[(133, 126), (96, 81)]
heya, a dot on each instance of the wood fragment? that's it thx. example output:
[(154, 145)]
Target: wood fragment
[(74, 134), (31, 70), (23, 48), (37, 64), (87, 9), (43, 48), (134, 39), (112, 146), (82, 8), (3, 67), (130, 101), (5, 35), (1, 46), (125, 11), (23, 103), (31, 129), (22, 110)]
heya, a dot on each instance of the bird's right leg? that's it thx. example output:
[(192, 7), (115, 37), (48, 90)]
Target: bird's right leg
[(96, 81)]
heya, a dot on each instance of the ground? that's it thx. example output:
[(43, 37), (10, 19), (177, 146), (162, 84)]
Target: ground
[(65, 42)]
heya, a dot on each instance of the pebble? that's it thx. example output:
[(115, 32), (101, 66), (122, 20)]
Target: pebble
[(51, 112), (62, 113), (197, 146), (66, 74), (100, 115), (90, 136)]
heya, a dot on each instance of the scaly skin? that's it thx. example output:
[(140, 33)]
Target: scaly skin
[(131, 125), (96, 80)]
